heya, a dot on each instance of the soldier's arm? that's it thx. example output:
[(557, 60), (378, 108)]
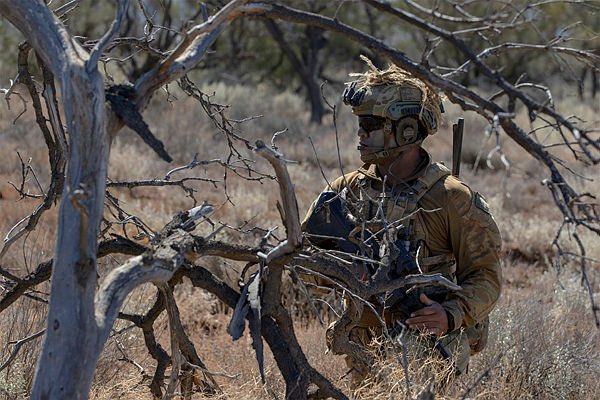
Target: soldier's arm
[(476, 244), (317, 282), (335, 186)]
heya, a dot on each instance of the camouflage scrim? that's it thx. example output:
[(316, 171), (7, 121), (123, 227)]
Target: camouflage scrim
[(393, 93), (389, 101)]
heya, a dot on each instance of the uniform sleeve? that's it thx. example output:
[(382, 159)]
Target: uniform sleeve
[(476, 244), (308, 278), (336, 186)]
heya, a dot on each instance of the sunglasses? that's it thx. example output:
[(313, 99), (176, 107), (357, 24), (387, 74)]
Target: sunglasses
[(370, 123)]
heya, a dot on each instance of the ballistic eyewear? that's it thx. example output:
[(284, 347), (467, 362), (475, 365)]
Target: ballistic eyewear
[(370, 123)]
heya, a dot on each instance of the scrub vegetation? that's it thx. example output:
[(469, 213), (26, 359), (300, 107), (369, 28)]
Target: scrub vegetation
[(271, 78), (543, 341)]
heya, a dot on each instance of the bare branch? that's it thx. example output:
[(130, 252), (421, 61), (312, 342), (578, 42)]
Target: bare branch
[(136, 271), (92, 62), (43, 270), (17, 346), (176, 357), (290, 205), (582, 55), (7, 95), (53, 44), (188, 52), (449, 18), (67, 7)]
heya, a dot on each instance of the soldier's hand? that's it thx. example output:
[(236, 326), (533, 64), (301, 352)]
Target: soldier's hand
[(431, 319)]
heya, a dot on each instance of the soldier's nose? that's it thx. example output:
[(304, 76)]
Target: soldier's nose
[(362, 133)]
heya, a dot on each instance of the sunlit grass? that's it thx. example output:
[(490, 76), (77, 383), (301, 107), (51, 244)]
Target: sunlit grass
[(543, 343)]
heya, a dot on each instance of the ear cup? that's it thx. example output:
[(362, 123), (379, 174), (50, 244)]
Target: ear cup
[(407, 130)]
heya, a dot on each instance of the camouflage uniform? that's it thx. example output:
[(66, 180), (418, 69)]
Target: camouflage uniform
[(460, 240), (447, 228)]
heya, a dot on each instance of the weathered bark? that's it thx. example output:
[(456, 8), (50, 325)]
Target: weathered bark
[(59, 373), (74, 318), (75, 261)]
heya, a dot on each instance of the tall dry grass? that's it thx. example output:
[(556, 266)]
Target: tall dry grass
[(543, 343)]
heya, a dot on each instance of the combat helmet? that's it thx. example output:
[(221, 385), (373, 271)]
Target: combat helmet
[(405, 105)]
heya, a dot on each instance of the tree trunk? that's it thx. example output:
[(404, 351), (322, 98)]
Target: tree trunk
[(317, 110), (71, 346), (296, 380), (79, 321), (64, 371), (307, 70)]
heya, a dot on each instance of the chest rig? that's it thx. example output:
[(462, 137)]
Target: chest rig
[(399, 207)]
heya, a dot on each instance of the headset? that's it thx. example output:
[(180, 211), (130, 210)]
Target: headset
[(407, 130)]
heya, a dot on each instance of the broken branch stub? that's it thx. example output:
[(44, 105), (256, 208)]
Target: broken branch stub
[(288, 198)]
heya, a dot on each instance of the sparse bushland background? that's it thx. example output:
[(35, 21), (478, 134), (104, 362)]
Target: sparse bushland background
[(543, 340)]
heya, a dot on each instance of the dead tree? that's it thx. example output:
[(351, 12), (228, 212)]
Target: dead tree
[(90, 126), (83, 310)]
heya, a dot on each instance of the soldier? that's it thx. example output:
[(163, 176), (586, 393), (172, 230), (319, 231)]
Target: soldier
[(440, 224)]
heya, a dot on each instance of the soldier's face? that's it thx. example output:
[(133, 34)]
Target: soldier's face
[(371, 137)]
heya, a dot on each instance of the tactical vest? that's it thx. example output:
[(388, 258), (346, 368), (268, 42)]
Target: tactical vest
[(403, 206)]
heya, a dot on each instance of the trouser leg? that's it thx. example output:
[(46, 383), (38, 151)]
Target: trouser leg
[(358, 370)]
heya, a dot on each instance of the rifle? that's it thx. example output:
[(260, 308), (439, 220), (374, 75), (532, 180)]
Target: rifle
[(329, 227)]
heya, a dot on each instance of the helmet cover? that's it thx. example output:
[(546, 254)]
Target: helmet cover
[(393, 94)]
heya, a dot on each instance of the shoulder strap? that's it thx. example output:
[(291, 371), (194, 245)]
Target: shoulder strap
[(407, 204), (433, 173)]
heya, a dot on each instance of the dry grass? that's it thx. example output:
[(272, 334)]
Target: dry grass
[(543, 342)]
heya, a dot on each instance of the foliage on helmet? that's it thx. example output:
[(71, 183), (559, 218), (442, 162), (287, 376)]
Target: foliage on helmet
[(393, 94)]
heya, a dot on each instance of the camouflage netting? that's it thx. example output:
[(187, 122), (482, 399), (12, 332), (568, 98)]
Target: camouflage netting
[(397, 76)]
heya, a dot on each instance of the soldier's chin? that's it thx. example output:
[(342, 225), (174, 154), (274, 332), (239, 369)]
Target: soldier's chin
[(367, 156)]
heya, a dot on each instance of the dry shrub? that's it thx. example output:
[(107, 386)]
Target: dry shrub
[(27, 315), (22, 319), (253, 118), (543, 343), (391, 378), (204, 318)]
